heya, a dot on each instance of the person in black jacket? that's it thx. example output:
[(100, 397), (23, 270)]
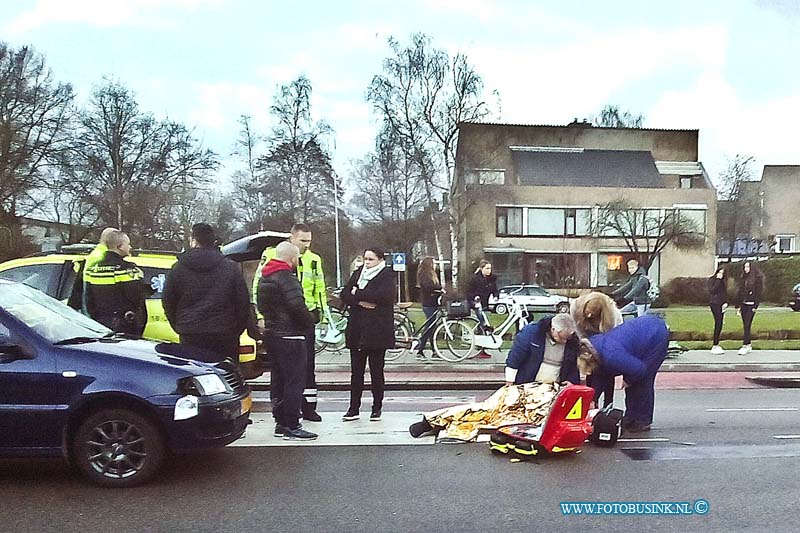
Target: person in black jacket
[(205, 298), (370, 295), (751, 285), (115, 288), (718, 301), (430, 290), (481, 287), (286, 322)]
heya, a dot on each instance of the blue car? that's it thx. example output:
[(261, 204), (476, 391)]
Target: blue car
[(113, 406)]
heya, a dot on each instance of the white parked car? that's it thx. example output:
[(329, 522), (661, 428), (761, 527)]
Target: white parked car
[(534, 297)]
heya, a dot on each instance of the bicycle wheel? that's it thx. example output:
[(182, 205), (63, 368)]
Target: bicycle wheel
[(402, 341), (454, 340)]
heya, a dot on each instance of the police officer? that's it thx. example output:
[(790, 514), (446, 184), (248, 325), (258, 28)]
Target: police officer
[(312, 279), (115, 288)]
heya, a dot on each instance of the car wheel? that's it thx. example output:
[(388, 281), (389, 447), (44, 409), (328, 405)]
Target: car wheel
[(500, 309), (563, 307), (117, 448)]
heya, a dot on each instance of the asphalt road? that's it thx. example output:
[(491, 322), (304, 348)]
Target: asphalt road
[(704, 450)]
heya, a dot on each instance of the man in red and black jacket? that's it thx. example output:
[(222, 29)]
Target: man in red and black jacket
[(286, 322)]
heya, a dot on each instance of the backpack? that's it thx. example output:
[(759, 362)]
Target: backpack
[(653, 292)]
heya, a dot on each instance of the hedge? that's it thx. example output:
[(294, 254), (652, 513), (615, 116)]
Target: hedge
[(780, 275)]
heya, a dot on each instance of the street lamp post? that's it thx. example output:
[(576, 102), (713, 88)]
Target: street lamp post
[(336, 229)]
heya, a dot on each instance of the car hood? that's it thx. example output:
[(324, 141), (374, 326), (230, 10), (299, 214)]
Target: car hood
[(164, 354)]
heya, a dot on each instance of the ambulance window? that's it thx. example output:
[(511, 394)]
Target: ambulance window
[(155, 278), (41, 277)]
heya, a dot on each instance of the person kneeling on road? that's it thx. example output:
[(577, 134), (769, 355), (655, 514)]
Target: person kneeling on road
[(634, 350), (544, 352), (286, 320)]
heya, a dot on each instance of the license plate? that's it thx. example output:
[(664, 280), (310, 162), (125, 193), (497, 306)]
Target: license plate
[(247, 404)]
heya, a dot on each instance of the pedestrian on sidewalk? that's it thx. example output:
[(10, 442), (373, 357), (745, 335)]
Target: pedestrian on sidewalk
[(544, 352), (595, 312), (635, 350), (482, 286), (370, 296), (751, 286), (287, 320), (718, 302), (205, 298), (430, 290)]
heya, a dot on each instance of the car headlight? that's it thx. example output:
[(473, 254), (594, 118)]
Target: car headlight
[(186, 407), (203, 385)]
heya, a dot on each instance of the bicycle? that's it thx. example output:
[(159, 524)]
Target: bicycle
[(452, 338), (492, 339)]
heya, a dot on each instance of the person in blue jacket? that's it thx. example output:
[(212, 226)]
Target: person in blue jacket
[(545, 352), (634, 350)]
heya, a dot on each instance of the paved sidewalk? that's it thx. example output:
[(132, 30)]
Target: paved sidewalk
[(333, 371)]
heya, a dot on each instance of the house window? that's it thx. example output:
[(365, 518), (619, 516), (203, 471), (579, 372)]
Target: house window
[(508, 221), (577, 222), (486, 176), (696, 217), (558, 270), (686, 182), (545, 222), (784, 243)]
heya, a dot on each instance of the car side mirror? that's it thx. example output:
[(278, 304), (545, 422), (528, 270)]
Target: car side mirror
[(12, 352)]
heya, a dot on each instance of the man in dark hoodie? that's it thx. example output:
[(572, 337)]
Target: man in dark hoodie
[(286, 322), (635, 290), (205, 298)]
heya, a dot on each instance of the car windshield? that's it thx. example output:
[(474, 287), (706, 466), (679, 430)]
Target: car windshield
[(46, 316)]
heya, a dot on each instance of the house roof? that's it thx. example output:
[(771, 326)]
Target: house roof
[(586, 168)]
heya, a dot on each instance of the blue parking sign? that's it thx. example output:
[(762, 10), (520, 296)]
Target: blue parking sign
[(399, 262)]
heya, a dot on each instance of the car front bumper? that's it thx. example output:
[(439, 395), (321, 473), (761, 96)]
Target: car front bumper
[(217, 424)]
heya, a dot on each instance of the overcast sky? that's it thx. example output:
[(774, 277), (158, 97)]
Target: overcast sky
[(729, 68)]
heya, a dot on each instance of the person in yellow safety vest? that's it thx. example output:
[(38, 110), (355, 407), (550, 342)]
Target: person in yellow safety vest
[(312, 279), (94, 257), (115, 289)]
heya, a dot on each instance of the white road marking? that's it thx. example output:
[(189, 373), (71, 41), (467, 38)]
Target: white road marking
[(753, 409), (651, 439), (786, 436)]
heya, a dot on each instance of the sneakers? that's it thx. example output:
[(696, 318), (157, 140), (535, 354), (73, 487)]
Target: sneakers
[(375, 416), (717, 350), (349, 416), (312, 416), (745, 349), (299, 433), (417, 429), (483, 355), (280, 430)]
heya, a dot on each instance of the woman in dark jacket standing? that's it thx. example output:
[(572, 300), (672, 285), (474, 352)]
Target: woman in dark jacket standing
[(370, 295), (430, 290), (751, 285), (481, 287), (718, 301)]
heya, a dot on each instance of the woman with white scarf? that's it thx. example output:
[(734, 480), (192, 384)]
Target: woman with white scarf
[(370, 295)]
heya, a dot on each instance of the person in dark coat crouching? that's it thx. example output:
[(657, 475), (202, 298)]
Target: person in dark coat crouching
[(286, 321), (544, 352), (370, 295), (635, 350), (205, 298)]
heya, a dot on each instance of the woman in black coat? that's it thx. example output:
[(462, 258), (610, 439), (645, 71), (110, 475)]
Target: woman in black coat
[(481, 287), (751, 285), (370, 296), (718, 301)]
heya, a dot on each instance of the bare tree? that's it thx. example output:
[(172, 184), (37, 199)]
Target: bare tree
[(247, 188), (135, 168), (423, 95), (646, 232), (737, 210), (295, 176), (35, 112), (611, 117)]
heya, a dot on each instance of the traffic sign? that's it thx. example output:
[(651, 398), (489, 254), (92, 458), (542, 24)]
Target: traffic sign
[(399, 262)]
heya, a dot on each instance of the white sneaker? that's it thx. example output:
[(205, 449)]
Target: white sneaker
[(743, 350), (749, 347), (717, 350)]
